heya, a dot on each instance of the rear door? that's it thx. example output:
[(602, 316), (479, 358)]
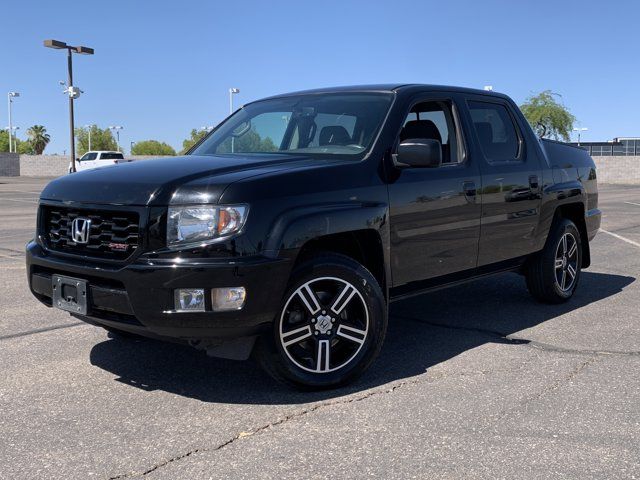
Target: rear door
[(511, 180), (434, 215)]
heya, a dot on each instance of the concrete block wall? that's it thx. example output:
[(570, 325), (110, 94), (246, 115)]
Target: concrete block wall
[(9, 164), (620, 170), (13, 164)]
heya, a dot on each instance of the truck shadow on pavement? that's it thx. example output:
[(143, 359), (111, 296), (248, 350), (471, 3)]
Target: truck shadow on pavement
[(423, 332)]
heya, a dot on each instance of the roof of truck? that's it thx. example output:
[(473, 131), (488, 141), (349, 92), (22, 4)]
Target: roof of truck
[(393, 87)]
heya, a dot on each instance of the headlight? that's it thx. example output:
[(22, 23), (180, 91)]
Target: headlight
[(200, 223)]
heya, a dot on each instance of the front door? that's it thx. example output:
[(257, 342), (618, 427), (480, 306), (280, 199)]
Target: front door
[(434, 213)]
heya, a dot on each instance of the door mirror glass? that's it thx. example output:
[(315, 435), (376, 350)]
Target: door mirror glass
[(419, 153)]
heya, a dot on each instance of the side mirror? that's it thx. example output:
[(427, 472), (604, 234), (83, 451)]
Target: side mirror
[(419, 153)]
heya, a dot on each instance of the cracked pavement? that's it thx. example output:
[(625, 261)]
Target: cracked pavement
[(478, 381)]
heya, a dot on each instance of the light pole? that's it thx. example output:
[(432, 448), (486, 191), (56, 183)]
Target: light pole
[(12, 133), (580, 130), (72, 91), (117, 129), (10, 97), (232, 92), (88, 127)]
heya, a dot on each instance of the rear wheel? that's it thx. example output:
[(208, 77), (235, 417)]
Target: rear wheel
[(330, 327), (553, 274)]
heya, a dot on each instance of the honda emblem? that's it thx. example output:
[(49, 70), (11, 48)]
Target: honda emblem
[(80, 228)]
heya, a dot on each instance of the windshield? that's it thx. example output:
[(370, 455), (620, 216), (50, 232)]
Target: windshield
[(314, 124)]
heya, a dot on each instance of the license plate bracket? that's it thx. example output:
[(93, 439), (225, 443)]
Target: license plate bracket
[(69, 294)]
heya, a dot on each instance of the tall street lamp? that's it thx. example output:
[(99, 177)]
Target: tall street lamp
[(10, 97), (117, 128), (232, 92), (580, 130), (12, 133), (88, 127), (72, 91)]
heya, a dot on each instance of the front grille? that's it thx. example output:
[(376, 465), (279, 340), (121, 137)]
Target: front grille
[(113, 235)]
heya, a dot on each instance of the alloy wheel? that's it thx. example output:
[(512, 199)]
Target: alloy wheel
[(566, 262), (324, 325)]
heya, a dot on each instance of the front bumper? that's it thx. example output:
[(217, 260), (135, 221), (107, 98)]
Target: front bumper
[(139, 297)]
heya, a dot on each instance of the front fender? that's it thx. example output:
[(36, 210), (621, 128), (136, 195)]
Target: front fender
[(297, 226)]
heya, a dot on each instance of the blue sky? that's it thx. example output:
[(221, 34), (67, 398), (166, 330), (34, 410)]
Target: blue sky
[(162, 68)]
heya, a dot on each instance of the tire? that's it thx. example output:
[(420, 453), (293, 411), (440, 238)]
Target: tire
[(330, 326), (553, 274)]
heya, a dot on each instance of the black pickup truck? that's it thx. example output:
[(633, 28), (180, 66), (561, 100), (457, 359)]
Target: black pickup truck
[(290, 227)]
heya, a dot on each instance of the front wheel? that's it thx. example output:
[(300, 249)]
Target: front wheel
[(330, 327), (552, 274)]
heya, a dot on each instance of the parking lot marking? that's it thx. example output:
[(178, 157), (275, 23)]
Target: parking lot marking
[(40, 330), (620, 237), (21, 200), (20, 191), (633, 203)]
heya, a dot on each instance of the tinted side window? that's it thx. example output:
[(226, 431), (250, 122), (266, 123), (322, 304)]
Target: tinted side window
[(495, 130), (433, 120), (111, 156)]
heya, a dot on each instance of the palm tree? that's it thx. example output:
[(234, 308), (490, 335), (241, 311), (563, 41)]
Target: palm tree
[(38, 137)]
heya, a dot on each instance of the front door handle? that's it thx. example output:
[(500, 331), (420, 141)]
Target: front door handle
[(469, 189), (533, 182)]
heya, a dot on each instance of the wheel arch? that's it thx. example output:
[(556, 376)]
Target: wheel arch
[(356, 231), (575, 212)]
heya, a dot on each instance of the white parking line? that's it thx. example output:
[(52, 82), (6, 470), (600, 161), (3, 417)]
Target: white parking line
[(32, 202), (620, 237), (25, 235), (633, 203), (19, 191)]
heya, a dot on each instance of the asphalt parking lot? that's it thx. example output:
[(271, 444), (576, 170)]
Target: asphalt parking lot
[(478, 381)]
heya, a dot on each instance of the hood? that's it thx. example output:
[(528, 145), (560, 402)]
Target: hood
[(165, 180)]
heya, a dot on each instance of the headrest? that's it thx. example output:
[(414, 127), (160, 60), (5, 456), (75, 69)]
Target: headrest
[(334, 135), (420, 129), (485, 132)]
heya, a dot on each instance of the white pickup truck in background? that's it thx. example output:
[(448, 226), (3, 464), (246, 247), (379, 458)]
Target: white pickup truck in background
[(95, 159)]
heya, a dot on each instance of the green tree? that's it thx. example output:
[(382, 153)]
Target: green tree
[(548, 118), (249, 142), (101, 139), (26, 148), (38, 138), (20, 146), (152, 147), (196, 135), (4, 141)]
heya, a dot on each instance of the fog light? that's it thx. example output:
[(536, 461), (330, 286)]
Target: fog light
[(229, 298), (189, 300)]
